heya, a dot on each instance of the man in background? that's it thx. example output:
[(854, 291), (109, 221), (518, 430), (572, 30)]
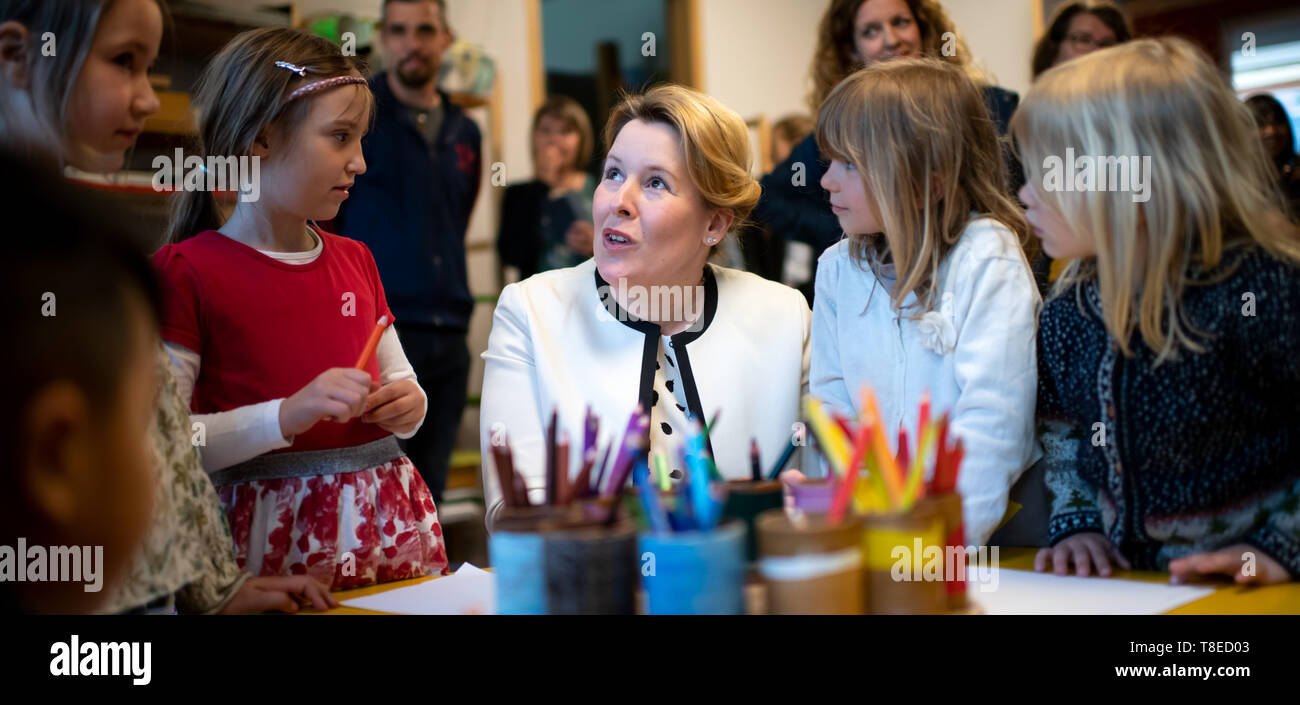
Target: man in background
[(412, 209)]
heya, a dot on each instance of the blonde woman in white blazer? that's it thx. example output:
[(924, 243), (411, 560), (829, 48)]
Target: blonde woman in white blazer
[(676, 178)]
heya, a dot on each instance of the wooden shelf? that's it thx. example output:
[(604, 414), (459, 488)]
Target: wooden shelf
[(224, 15), (174, 116)]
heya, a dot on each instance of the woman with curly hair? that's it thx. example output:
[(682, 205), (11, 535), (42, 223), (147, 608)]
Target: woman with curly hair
[(853, 34)]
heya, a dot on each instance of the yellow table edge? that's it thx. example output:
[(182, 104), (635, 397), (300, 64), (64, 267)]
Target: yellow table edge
[(1226, 599)]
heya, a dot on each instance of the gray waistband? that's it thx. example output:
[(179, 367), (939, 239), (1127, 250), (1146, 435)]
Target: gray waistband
[(308, 463)]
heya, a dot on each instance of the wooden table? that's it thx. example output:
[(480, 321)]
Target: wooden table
[(1227, 599)]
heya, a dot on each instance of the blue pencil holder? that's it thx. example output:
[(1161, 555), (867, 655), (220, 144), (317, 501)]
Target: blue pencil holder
[(521, 577), (517, 554), (695, 572)]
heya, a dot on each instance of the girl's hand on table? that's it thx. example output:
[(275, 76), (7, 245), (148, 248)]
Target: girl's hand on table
[(280, 593), (1084, 550), (1232, 561)]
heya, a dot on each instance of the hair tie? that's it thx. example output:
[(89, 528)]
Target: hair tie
[(300, 70)]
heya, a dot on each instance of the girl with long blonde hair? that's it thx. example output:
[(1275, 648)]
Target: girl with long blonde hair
[(930, 291), (1170, 339)]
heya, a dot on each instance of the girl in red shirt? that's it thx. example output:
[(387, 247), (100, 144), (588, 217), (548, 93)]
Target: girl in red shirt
[(266, 313)]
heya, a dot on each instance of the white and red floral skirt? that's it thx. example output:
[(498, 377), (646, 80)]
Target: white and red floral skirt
[(346, 530)]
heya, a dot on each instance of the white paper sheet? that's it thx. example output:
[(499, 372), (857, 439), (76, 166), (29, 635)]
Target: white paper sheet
[(1028, 592), (469, 590)]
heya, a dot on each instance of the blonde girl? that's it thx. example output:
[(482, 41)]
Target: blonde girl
[(930, 290), (1169, 343)]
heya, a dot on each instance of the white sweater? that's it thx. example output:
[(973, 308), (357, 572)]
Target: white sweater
[(976, 355), (554, 344)]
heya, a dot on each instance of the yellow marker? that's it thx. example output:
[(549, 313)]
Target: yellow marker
[(879, 496), (869, 496), (829, 434)]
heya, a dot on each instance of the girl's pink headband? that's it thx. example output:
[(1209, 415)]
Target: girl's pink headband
[(315, 86)]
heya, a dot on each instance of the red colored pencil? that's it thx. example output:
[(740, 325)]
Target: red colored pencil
[(940, 455), (843, 493), (551, 485), (505, 467), (521, 491), (562, 489), (904, 455), (924, 417), (581, 486), (845, 425), (954, 466)]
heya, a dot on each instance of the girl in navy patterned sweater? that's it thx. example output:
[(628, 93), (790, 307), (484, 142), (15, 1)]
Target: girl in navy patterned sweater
[(1169, 347)]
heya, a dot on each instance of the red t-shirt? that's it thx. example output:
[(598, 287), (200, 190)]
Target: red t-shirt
[(266, 328)]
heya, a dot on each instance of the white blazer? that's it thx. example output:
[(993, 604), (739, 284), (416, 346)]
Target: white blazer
[(556, 343), (976, 355)]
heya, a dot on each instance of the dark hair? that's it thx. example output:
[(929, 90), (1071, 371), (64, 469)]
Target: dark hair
[(94, 274), (1048, 46), (834, 57), (242, 93), (442, 10), (1266, 110), (568, 111)]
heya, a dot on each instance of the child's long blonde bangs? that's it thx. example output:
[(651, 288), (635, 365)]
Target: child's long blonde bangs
[(922, 140), (1208, 184)]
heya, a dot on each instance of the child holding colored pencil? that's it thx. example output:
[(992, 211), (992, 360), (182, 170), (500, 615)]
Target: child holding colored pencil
[(930, 290), (279, 329), (1169, 344)]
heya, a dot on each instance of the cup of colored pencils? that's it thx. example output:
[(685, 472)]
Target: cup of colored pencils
[(566, 548), (885, 484), (693, 559)]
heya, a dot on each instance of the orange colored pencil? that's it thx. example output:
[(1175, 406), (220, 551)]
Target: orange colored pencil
[(372, 343), (888, 464)]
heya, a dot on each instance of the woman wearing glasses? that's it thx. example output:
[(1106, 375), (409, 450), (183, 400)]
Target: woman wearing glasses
[(1079, 28)]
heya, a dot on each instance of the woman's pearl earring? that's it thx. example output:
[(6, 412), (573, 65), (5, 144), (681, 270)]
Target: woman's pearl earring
[(713, 240)]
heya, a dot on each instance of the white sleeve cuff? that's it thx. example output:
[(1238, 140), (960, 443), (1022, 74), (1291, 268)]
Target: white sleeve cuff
[(394, 366), (241, 434), (265, 432)]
